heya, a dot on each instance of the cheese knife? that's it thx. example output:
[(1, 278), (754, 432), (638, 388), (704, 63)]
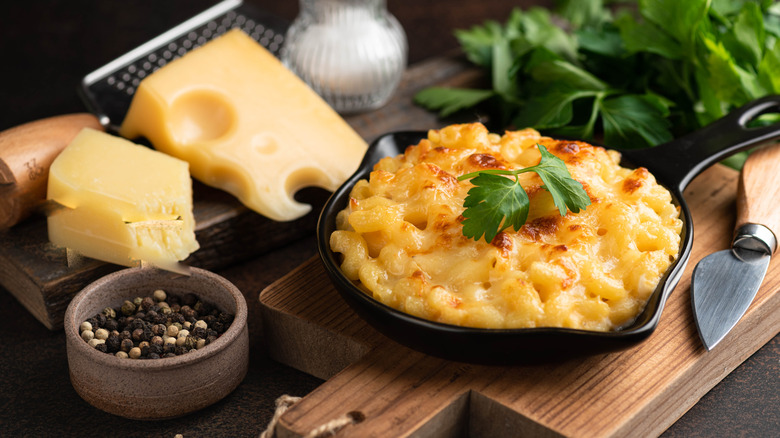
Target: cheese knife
[(726, 282)]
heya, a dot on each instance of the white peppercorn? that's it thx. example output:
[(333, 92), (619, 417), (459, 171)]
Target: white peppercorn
[(121, 354), (172, 330), (101, 333), (86, 325), (159, 295), (134, 353), (183, 333), (87, 335)]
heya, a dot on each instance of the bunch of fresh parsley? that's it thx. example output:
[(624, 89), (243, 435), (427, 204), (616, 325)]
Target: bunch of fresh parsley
[(636, 74)]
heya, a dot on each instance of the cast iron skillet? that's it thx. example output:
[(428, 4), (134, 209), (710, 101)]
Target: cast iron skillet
[(674, 165)]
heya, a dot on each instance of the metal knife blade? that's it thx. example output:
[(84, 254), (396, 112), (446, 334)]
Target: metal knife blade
[(725, 283)]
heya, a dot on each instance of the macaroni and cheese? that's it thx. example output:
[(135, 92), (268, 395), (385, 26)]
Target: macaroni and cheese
[(401, 236)]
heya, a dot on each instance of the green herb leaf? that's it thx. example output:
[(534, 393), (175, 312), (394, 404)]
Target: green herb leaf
[(631, 121), (496, 203), (450, 100)]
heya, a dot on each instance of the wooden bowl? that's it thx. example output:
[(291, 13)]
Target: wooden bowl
[(151, 389)]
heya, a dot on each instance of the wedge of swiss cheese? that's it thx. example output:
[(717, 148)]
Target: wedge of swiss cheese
[(121, 203), (246, 124)]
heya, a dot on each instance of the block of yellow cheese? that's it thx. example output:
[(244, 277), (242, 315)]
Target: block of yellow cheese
[(121, 203), (245, 124)]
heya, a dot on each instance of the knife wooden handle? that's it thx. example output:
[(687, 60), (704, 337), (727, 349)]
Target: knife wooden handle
[(26, 152), (758, 192)]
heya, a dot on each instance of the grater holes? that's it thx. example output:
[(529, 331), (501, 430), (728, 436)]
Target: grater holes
[(167, 55)]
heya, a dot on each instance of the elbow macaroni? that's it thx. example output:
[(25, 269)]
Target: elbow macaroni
[(401, 237)]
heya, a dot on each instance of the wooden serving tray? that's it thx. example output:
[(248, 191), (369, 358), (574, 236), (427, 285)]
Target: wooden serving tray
[(400, 392), (42, 279)]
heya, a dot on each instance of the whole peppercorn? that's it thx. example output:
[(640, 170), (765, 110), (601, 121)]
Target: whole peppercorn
[(85, 326), (159, 329), (111, 325), (134, 353), (125, 334), (169, 340), (128, 308), (210, 339), (198, 307), (165, 310), (173, 330), (101, 347), (183, 333), (147, 303), (156, 340), (101, 333), (109, 312), (199, 332), (201, 323), (169, 348), (113, 343), (201, 344), (187, 312), (175, 307), (225, 318), (138, 334), (140, 315), (101, 319), (159, 295), (180, 350), (171, 354), (218, 327), (126, 345), (121, 354), (190, 342), (87, 335), (180, 341), (152, 355), (137, 301), (209, 319), (151, 316), (156, 349)]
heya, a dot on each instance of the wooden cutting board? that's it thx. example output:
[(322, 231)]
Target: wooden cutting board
[(390, 390), (42, 278)]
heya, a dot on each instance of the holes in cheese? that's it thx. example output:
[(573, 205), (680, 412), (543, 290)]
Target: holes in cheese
[(123, 203), (246, 125)]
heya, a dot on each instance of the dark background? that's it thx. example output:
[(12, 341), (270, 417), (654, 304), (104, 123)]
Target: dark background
[(47, 48)]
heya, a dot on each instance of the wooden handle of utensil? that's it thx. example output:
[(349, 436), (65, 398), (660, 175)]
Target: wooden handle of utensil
[(26, 152), (759, 189)]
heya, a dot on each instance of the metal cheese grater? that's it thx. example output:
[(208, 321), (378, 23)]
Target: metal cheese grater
[(107, 91)]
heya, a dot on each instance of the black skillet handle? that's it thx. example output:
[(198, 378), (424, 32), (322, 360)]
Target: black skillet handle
[(677, 162)]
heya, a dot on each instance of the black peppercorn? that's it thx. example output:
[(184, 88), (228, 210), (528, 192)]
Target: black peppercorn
[(169, 354), (138, 334), (199, 332), (101, 319), (126, 345), (218, 327), (153, 356), (159, 329), (187, 312), (225, 318), (111, 324), (113, 344), (101, 347), (147, 303), (94, 322), (169, 348), (155, 349)]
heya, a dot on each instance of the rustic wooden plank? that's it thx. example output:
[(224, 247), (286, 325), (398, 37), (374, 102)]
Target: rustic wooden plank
[(637, 392)]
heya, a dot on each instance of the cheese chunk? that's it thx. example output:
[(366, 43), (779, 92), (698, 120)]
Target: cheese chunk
[(245, 124), (122, 203)]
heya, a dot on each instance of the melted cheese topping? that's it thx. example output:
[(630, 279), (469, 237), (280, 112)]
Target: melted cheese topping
[(401, 236)]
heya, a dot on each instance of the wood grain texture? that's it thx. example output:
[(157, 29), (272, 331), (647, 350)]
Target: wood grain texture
[(637, 392), (759, 189), (26, 153)]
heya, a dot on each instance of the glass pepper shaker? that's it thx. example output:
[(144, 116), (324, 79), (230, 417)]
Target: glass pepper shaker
[(351, 52)]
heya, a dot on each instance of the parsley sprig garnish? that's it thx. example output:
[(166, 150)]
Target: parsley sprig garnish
[(496, 203)]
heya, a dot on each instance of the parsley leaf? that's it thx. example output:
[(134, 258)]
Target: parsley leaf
[(496, 203)]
